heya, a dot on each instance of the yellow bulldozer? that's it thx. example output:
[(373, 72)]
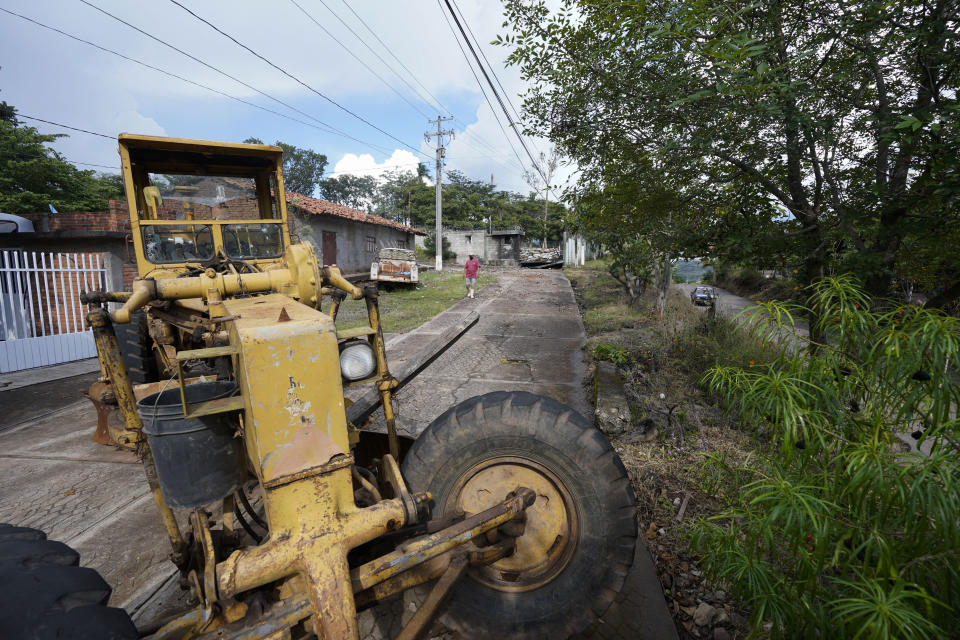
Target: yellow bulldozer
[(287, 509)]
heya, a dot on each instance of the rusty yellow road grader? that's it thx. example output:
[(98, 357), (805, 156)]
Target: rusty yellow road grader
[(287, 512)]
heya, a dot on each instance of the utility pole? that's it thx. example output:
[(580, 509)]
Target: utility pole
[(441, 152)]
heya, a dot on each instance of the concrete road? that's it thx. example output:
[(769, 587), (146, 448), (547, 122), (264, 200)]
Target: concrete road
[(53, 477), (529, 338), (727, 303), (93, 498)]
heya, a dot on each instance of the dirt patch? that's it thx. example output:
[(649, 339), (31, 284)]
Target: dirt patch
[(675, 423)]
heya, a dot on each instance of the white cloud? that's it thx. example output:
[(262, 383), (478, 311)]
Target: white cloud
[(53, 77), (129, 121), (365, 164)]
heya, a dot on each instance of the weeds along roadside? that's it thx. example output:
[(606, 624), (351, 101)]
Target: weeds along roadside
[(840, 527), (661, 362), (806, 507)]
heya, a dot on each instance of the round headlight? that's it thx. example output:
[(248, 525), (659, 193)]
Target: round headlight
[(357, 360)]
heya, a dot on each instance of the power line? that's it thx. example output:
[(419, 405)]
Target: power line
[(90, 164), (493, 89), (377, 168), (298, 80), (407, 69), (93, 133), (355, 56), (390, 51), (386, 64), (378, 56), (188, 81), (327, 127), (476, 41), (194, 58), (55, 156), (492, 72), (480, 84)]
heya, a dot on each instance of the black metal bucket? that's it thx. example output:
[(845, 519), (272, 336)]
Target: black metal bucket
[(198, 460)]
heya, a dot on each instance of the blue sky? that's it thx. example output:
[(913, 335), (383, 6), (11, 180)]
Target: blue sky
[(47, 75)]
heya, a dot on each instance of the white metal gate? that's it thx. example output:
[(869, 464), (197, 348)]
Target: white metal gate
[(41, 316)]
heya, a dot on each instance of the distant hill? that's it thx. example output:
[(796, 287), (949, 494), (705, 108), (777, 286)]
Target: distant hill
[(692, 270)]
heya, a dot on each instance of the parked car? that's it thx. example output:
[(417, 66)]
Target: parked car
[(703, 295), (10, 223)]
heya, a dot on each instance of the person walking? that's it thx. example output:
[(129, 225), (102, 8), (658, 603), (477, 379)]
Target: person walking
[(470, 270)]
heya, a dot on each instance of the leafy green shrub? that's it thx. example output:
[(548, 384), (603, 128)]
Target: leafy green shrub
[(833, 531), (430, 244), (611, 353)]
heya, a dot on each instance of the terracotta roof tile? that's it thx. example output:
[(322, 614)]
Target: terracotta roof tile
[(319, 207), (327, 208)]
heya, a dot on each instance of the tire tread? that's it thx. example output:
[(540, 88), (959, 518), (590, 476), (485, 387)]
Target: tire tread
[(553, 425)]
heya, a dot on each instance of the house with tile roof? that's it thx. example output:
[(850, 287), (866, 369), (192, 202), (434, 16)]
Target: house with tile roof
[(344, 236)]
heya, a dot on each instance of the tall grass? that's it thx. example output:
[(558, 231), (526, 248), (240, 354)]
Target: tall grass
[(833, 530)]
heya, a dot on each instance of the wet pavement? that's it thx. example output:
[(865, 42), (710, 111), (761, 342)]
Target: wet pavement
[(95, 498)]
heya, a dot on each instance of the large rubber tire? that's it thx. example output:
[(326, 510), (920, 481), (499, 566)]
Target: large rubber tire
[(555, 438), (44, 594), (136, 349)]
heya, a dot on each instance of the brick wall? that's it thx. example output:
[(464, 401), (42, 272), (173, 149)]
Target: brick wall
[(117, 219), (84, 220)]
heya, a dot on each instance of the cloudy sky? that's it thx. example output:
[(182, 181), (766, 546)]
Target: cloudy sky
[(51, 76)]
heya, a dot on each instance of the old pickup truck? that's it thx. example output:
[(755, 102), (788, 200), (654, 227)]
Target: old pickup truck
[(395, 265)]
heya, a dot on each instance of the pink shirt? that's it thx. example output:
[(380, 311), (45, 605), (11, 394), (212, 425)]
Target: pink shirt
[(470, 269)]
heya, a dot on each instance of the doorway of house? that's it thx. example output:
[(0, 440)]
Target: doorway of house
[(329, 248)]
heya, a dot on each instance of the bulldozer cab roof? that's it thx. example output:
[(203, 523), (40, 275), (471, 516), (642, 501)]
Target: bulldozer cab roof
[(179, 155)]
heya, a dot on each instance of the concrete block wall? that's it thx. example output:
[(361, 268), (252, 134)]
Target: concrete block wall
[(463, 243), (489, 248)]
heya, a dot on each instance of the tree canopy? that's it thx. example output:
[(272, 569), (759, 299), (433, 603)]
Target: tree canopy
[(830, 125), (33, 176), (302, 168)]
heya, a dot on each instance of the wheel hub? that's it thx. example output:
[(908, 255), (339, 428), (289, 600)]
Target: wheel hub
[(551, 530)]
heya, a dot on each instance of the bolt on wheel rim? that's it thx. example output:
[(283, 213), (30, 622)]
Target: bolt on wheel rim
[(552, 524)]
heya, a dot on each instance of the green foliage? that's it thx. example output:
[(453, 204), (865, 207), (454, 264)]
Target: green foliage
[(611, 353), (430, 244), (349, 190), (833, 530), (302, 168), (719, 342), (405, 307), (818, 133), (403, 195), (606, 306), (675, 271), (33, 176)]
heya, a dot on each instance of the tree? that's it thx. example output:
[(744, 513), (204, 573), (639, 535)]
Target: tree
[(33, 176), (349, 190), (302, 168), (548, 164), (403, 196), (430, 246), (843, 113)]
